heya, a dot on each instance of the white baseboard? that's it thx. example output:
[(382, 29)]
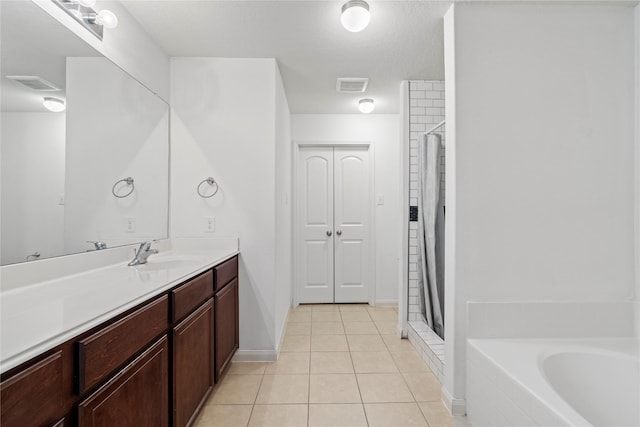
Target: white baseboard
[(284, 331), (255, 356), (386, 303), (455, 406)]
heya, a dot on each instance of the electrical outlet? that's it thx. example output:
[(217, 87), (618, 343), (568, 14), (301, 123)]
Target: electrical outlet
[(130, 224), (61, 199), (380, 199), (209, 224)]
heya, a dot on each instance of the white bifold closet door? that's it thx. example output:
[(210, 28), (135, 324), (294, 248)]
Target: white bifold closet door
[(333, 209)]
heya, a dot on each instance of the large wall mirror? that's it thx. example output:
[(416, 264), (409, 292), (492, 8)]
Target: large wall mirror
[(64, 175)]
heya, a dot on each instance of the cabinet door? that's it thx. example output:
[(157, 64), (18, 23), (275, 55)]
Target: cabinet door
[(33, 397), (137, 396), (226, 325), (193, 376)]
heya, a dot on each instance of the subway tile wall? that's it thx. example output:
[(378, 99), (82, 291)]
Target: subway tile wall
[(426, 109)]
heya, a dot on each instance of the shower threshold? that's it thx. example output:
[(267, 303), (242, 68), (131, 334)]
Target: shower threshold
[(429, 345)]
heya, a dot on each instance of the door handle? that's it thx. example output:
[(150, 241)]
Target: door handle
[(339, 233), (329, 233)]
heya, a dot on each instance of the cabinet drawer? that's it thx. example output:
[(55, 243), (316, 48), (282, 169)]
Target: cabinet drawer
[(99, 354), (226, 272), (33, 397), (190, 295)]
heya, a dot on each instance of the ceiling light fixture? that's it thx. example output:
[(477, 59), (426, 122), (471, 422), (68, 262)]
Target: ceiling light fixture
[(56, 105), (355, 15), (365, 105)]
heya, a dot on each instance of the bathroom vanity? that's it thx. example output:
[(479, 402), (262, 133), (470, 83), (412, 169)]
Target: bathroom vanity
[(150, 361)]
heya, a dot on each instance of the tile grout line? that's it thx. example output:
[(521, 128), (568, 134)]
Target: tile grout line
[(366, 418), (255, 399), (309, 382)]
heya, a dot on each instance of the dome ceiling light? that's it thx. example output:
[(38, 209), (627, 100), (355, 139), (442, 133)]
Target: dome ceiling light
[(55, 105), (366, 105), (355, 15)]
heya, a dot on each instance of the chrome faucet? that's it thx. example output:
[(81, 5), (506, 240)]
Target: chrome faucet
[(142, 253), (98, 245)]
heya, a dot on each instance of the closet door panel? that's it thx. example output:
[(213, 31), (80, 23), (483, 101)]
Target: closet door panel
[(351, 212), (315, 219)]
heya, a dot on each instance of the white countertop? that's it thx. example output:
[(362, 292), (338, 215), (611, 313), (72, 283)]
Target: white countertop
[(35, 317)]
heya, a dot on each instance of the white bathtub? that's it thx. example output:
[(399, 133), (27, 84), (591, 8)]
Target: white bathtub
[(553, 382)]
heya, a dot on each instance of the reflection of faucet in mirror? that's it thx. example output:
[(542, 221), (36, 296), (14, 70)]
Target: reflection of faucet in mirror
[(33, 256), (98, 245), (143, 252)]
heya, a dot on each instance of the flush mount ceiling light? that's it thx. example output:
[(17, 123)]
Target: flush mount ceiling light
[(55, 105), (365, 105), (83, 12), (355, 15)]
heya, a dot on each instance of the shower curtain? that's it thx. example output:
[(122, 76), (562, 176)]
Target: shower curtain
[(430, 234)]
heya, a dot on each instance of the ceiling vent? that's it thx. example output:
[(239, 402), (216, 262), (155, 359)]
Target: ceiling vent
[(35, 83), (351, 84)]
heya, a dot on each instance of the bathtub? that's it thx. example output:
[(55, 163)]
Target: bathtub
[(553, 382)]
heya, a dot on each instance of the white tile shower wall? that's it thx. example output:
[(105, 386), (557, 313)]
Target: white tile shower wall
[(426, 109)]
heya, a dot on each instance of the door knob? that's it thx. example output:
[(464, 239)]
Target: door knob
[(329, 233), (339, 233)]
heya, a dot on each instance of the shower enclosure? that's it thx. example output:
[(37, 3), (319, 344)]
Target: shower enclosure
[(430, 235), (422, 294)]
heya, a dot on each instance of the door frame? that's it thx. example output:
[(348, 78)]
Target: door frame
[(371, 217)]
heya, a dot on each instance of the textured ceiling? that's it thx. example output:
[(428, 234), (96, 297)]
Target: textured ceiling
[(403, 41)]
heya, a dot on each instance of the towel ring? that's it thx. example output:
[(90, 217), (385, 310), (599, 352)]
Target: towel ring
[(128, 181), (209, 181)]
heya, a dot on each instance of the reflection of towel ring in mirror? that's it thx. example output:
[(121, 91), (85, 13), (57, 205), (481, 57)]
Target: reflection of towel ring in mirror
[(209, 181), (128, 181)]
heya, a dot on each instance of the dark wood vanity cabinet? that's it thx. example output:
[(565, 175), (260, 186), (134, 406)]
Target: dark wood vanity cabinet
[(137, 395), (153, 365), (226, 314), (33, 396), (193, 343), (99, 354)]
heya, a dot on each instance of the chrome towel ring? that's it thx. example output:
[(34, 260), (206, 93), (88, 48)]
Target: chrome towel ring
[(128, 181), (212, 182)]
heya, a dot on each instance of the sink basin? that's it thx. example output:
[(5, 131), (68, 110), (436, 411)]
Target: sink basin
[(176, 256)]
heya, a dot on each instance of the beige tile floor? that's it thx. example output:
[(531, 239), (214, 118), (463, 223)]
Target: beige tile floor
[(340, 365)]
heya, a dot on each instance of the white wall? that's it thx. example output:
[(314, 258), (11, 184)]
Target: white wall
[(32, 149), (284, 220), (230, 121), (637, 211), (637, 116), (543, 130), (384, 132), (114, 130), (127, 45), (455, 296)]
